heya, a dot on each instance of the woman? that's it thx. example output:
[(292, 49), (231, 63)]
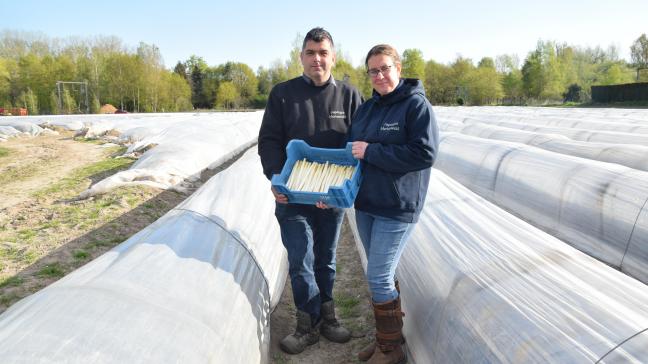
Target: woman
[(395, 135)]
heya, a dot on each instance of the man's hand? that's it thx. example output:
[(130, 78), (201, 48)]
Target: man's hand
[(279, 197), (321, 205), (358, 149)]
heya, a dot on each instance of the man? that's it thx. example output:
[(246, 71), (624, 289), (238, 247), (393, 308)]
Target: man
[(317, 109)]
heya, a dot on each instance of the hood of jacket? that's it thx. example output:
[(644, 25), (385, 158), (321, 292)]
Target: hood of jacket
[(406, 87)]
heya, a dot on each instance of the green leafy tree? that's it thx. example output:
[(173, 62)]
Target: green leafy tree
[(413, 64), (211, 79), (278, 72), (227, 96), (639, 55), (69, 105), (343, 70), (294, 66), (54, 103), (512, 87), (486, 62), (29, 101), (485, 86), (242, 76), (364, 83), (5, 83), (264, 81), (507, 66), (553, 83), (439, 83), (532, 78), (181, 70), (197, 67), (462, 75), (176, 95)]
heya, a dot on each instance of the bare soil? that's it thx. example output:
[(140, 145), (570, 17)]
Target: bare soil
[(36, 162)]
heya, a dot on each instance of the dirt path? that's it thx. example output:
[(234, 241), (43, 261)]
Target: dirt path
[(36, 162), (352, 306)]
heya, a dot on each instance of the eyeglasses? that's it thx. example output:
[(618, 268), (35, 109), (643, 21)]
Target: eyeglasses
[(383, 70)]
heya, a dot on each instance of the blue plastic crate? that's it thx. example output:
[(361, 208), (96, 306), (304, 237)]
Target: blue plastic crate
[(342, 196)]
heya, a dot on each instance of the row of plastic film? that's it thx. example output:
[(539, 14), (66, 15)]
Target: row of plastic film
[(599, 208), (173, 149), (551, 116), (629, 155), (196, 286), (616, 132), (16, 127), (481, 286)]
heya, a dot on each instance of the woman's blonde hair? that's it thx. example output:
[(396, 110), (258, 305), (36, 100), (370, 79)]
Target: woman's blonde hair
[(385, 49)]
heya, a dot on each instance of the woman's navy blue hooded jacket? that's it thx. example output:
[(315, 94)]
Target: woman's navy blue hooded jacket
[(403, 142)]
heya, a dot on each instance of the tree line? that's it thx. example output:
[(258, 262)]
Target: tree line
[(136, 79)]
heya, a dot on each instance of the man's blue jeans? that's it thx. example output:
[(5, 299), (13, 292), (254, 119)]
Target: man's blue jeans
[(383, 240), (310, 236)]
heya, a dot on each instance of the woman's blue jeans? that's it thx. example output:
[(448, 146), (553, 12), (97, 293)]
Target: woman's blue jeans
[(310, 236), (383, 240)]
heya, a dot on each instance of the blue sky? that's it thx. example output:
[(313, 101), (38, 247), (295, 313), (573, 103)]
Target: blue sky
[(260, 32)]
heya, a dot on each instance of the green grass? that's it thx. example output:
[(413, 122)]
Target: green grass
[(80, 255), (4, 152), (346, 305), (26, 234), (11, 281), (280, 358), (54, 270), (89, 140), (18, 173), (8, 299), (82, 215), (72, 185)]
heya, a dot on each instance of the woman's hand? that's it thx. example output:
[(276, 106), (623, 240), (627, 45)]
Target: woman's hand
[(358, 149)]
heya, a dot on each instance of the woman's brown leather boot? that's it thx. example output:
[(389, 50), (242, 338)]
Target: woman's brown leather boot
[(389, 334), (366, 353)]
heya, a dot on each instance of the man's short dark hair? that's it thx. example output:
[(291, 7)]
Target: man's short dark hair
[(317, 35)]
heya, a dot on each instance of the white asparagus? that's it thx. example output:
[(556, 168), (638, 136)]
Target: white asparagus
[(317, 177)]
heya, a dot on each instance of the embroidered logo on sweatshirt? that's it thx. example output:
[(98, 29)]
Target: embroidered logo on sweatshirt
[(337, 115), (390, 127)]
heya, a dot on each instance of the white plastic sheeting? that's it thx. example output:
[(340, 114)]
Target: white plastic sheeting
[(599, 208), (633, 156), (481, 286), (576, 134), (19, 126), (596, 126), (177, 146), (196, 286), (182, 149), (520, 113)]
